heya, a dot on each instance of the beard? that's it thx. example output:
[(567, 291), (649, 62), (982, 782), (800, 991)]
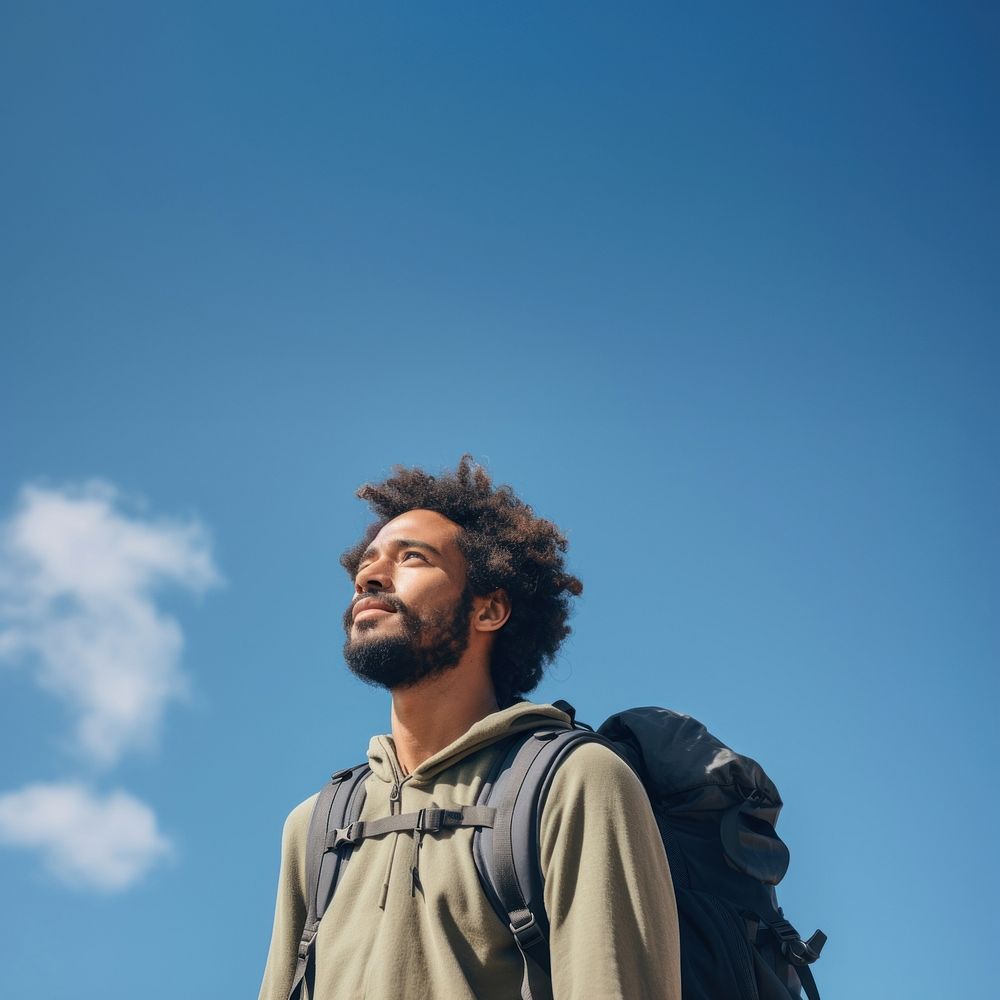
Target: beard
[(425, 647)]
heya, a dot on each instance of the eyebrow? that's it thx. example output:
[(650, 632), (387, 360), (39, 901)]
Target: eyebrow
[(402, 543)]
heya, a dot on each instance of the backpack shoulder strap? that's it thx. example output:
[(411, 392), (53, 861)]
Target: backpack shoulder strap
[(338, 805), (507, 856)]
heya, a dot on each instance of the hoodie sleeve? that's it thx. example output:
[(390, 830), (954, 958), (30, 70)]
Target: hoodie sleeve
[(608, 892), (290, 907)]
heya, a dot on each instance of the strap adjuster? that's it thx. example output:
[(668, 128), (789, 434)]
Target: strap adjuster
[(433, 820), (785, 931), (528, 934), (428, 821), (306, 943), (797, 951)]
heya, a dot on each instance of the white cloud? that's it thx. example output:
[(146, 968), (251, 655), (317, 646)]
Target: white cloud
[(84, 840), (76, 582)]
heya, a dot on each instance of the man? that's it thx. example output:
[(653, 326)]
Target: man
[(461, 599)]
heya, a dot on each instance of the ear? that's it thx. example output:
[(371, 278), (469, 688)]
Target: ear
[(491, 611)]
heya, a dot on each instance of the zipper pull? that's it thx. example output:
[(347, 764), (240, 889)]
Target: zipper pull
[(393, 797)]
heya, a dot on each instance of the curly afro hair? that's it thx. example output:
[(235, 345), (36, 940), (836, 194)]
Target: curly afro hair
[(506, 547)]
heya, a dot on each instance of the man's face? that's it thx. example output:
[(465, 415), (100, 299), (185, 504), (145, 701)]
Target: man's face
[(409, 618)]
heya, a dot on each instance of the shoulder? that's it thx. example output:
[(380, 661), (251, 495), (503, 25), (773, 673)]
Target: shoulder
[(301, 814), (596, 809), (593, 790), (295, 831), (294, 847), (593, 770)]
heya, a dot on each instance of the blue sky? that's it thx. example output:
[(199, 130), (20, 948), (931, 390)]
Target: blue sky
[(713, 286)]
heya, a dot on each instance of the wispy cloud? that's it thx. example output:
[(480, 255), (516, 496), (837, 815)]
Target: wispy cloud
[(101, 843), (77, 574)]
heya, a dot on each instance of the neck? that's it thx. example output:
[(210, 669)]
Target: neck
[(430, 715)]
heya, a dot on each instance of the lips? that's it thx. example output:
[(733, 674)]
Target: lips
[(371, 604)]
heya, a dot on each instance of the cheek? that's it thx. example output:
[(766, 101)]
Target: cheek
[(427, 591), (437, 603)]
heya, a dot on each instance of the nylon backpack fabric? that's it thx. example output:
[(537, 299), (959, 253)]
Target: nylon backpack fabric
[(338, 805), (716, 812)]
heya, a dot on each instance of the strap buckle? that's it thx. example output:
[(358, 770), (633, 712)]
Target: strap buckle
[(350, 834)]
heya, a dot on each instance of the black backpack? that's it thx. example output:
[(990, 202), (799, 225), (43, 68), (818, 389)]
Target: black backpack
[(715, 810)]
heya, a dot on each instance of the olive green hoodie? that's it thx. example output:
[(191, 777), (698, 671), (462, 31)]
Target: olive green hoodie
[(608, 893)]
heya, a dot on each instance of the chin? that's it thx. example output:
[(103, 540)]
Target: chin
[(365, 627)]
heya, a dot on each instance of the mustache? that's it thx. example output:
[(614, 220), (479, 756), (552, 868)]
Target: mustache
[(394, 602)]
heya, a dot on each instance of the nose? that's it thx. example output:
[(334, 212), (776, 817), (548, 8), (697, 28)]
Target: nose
[(373, 577)]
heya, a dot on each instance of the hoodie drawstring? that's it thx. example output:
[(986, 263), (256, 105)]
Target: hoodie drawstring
[(418, 838), (383, 895)]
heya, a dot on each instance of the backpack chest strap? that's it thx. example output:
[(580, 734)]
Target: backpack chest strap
[(420, 822)]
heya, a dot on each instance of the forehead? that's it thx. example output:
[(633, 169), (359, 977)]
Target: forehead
[(420, 525)]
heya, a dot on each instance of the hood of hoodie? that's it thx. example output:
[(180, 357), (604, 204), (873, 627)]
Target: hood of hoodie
[(524, 715)]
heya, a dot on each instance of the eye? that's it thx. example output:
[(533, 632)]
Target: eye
[(413, 552)]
